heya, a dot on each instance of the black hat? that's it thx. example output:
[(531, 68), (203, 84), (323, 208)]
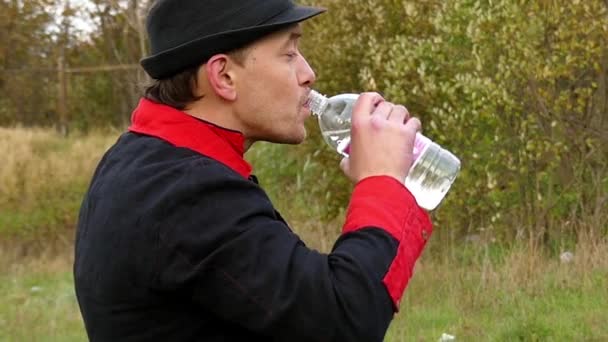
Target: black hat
[(185, 33)]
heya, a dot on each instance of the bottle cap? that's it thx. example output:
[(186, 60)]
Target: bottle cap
[(317, 102)]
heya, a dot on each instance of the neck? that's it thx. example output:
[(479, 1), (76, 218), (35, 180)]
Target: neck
[(218, 115), (248, 144)]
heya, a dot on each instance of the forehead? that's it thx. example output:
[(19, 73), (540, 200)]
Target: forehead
[(285, 36)]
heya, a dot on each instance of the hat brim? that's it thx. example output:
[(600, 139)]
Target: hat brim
[(169, 62)]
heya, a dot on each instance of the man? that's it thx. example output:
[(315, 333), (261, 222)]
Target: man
[(177, 242)]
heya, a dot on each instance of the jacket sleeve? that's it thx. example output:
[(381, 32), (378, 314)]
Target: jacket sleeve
[(223, 243)]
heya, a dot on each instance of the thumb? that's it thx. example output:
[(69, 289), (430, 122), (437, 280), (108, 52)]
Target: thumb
[(345, 165)]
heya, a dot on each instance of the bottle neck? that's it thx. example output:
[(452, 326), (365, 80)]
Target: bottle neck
[(317, 103)]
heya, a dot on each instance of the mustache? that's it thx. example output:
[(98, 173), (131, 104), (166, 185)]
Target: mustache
[(305, 100)]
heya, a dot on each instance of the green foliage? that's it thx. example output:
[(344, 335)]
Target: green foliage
[(516, 89), (107, 98), (25, 45), (299, 182), (33, 36)]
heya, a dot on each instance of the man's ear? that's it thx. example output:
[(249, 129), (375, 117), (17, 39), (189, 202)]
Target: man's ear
[(220, 76)]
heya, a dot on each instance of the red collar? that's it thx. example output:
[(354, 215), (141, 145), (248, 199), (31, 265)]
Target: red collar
[(183, 130)]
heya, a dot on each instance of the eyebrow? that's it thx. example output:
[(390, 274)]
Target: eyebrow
[(294, 34), (293, 37)]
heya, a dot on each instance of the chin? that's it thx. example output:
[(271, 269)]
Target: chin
[(292, 139), (300, 139)]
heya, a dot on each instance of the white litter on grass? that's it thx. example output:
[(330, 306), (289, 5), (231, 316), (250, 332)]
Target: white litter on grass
[(447, 337), (35, 289), (566, 257)]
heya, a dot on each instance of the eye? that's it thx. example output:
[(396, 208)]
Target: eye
[(291, 54)]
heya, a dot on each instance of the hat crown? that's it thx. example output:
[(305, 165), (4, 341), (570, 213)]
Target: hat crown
[(185, 33), (171, 23)]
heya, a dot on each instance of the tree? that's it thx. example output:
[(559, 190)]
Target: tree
[(516, 89), (24, 61)]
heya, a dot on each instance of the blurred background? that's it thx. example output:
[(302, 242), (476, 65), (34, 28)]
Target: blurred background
[(517, 89)]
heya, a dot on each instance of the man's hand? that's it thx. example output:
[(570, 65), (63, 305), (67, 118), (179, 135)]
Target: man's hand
[(382, 139)]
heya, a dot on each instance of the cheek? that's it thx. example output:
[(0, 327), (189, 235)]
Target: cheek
[(272, 97)]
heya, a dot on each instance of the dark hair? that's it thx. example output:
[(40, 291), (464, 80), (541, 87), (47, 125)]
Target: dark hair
[(177, 91)]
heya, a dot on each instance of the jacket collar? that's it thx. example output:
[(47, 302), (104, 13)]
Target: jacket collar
[(183, 130)]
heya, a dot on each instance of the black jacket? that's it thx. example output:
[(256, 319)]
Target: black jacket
[(176, 241)]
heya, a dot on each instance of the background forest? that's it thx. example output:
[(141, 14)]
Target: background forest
[(517, 89)]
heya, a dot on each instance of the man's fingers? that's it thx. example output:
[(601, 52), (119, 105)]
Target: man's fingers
[(413, 124), (366, 104), (383, 110), (399, 114), (345, 165)]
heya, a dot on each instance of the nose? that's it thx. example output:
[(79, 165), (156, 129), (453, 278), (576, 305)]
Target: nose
[(306, 76)]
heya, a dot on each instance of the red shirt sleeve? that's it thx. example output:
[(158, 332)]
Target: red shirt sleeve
[(385, 203)]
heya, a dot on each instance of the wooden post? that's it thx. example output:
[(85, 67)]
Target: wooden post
[(142, 77), (62, 98)]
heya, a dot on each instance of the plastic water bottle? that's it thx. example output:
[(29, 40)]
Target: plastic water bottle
[(433, 169)]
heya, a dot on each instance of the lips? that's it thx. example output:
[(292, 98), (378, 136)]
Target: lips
[(306, 100)]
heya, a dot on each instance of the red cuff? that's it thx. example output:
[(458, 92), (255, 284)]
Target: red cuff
[(385, 203), (380, 201)]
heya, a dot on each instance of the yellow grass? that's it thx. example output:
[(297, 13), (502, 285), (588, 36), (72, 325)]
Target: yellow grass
[(40, 159), (43, 177)]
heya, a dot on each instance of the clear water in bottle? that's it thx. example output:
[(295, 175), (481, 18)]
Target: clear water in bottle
[(433, 170), (334, 119)]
